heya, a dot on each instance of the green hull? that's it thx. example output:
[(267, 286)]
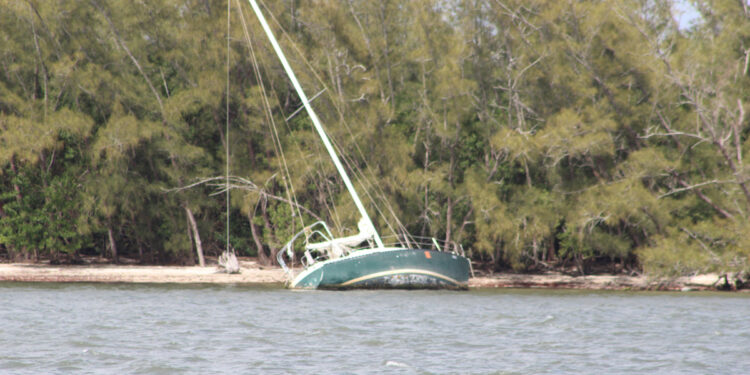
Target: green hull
[(387, 269)]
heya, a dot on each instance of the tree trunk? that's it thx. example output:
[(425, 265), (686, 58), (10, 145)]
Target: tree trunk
[(580, 264), (528, 173), (269, 228), (191, 256), (262, 257), (451, 202), (15, 172), (112, 245), (551, 252), (448, 219), (733, 166), (386, 51), (19, 197), (197, 237), (138, 240)]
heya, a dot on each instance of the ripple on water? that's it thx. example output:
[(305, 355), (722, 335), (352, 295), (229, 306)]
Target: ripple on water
[(157, 369), (154, 329), (14, 364)]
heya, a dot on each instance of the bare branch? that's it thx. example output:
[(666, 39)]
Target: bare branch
[(239, 183), (692, 187), (516, 15), (674, 134), (705, 198), (703, 245), (124, 46)]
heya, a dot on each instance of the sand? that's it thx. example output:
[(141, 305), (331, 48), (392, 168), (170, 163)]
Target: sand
[(253, 273), (250, 273), (596, 282)]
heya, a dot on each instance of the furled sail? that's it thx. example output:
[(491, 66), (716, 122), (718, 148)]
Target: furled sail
[(338, 247)]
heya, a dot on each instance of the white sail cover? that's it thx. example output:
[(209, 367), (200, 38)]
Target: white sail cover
[(338, 247)]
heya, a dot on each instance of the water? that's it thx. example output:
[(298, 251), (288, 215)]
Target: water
[(155, 329)]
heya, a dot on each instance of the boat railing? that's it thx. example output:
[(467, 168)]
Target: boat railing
[(420, 242), (316, 229)]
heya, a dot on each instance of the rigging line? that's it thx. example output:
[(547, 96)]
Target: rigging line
[(312, 69), (286, 178), (363, 179), (359, 174), (318, 127), (303, 107), (333, 213), (267, 112), (378, 190), (366, 183), (320, 183), (356, 172), (229, 10)]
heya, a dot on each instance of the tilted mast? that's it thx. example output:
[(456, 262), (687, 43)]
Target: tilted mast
[(316, 122)]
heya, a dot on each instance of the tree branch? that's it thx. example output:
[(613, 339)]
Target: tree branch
[(241, 184), (691, 187), (122, 44)]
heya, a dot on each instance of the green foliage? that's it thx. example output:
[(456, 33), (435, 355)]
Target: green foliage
[(43, 219), (533, 133)]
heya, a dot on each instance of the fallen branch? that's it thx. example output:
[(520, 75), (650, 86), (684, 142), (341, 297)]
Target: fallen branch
[(236, 182)]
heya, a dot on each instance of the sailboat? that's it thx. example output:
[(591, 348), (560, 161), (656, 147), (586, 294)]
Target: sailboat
[(363, 260)]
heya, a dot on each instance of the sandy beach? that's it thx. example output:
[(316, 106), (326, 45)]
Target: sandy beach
[(596, 282), (253, 273)]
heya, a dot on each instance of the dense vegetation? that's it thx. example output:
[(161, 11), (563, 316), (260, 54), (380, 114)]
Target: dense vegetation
[(535, 133)]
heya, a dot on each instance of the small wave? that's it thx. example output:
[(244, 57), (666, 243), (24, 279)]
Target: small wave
[(396, 364)]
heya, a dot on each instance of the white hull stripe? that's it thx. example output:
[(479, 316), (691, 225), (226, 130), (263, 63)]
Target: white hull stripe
[(399, 271)]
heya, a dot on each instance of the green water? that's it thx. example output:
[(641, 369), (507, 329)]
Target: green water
[(155, 329)]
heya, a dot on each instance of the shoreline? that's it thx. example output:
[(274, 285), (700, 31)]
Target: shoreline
[(556, 280), (252, 273)]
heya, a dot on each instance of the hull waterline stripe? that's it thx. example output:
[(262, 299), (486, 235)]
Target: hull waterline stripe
[(400, 271)]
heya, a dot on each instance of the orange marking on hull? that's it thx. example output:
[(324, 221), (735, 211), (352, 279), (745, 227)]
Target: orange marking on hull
[(427, 255)]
